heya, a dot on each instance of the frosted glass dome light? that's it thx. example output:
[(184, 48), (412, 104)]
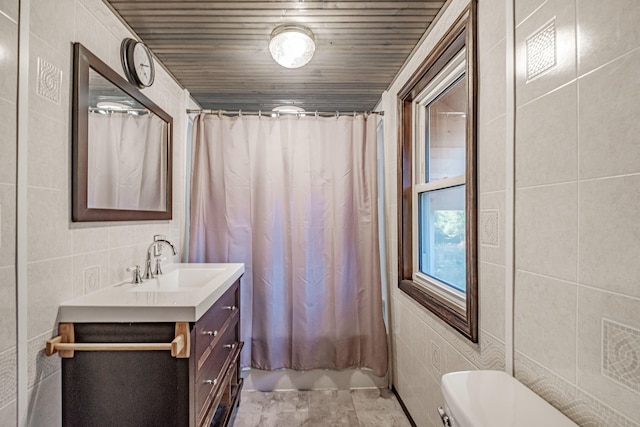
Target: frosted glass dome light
[(292, 46)]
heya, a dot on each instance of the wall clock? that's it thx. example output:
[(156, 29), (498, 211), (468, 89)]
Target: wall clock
[(137, 63)]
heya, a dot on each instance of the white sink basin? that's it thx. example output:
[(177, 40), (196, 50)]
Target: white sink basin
[(182, 294), (178, 280)]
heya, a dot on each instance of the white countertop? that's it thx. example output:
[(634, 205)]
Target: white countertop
[(126, 302)]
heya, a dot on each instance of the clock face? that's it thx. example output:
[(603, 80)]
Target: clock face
[(137, 63), (143, 64)]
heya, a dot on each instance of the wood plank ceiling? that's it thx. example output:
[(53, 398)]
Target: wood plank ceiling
[(218, 50)]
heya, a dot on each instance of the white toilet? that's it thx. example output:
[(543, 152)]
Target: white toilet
[(495, 399)]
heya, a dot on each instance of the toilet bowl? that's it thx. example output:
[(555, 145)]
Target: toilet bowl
[(495, 399)]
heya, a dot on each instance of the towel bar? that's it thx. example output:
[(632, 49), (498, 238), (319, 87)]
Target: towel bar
[(64, 344)]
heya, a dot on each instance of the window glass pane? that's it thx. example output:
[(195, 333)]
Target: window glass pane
[(441, 243), (446, 135)]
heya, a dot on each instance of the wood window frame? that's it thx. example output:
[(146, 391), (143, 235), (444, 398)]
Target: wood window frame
[(461, 34)]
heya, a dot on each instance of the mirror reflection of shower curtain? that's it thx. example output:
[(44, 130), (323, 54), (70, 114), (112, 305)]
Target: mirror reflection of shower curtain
[(127, 162), (295, 199)]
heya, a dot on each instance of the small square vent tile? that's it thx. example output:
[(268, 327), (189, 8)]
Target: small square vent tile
[(436, 357), (489, 227), (621, 354), (541, 51), (49, 81)]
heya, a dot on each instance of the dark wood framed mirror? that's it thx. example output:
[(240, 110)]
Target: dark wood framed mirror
[(122, 147)]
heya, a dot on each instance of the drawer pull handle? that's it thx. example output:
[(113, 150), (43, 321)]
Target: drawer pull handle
[(230, 307), (211, 382), (231, 346), (210, 333)]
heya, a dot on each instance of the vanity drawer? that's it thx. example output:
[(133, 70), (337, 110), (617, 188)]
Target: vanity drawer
[(210, 377), (211, 323)]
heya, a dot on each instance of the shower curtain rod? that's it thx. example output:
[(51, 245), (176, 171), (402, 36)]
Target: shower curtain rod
[(279, 113)]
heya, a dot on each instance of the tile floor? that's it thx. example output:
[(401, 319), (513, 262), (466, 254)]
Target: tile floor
[(320, 408)]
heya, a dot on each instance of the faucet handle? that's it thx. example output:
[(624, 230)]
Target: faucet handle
[(159, 265), (136, 274)]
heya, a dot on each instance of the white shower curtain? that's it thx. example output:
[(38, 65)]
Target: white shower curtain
[(294, 198), (127, 160)]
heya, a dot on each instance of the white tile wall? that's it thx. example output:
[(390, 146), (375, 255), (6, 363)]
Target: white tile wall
[(563, 12), (8, 109), (8, 415), (8, 132), (60, 251), (7, 308), (546, 139), (603, 35), (594, 307), (608, 112), (545, 319), (547, 230), (576, 241), (609, 248), (577, 246)]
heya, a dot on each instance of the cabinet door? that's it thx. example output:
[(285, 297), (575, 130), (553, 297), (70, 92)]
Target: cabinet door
[(125, 388)]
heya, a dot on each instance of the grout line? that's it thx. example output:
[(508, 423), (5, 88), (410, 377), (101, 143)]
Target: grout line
[(579, 181), (553, 184), (533, 273), (601, 66), (492, 192), (8, 17), (605, 291), (492, 263), (555, 89), (517, 24)]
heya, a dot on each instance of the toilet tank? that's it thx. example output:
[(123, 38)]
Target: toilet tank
[(495, 399)]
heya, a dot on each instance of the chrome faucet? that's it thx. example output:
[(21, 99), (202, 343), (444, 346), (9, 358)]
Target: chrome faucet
[(148, 274)]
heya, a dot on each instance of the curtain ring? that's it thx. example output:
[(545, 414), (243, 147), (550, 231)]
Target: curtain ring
[(239, 113), (259, 114), (220, 114), (316, 114), (278, 114), (337, 114), (354, 114)]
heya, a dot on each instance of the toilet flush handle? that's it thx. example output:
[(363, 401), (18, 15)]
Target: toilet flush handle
[(444, 417)]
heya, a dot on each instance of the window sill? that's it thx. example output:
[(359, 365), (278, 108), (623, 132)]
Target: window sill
[(448, 312)]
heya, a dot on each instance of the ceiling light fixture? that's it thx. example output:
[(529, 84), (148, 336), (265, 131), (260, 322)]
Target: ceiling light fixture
[(288, 109), (292, 46)]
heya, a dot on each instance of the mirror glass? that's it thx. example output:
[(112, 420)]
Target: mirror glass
[(122, 147), (127, 151)]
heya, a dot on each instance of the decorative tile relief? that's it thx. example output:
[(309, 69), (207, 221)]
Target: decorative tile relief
[(541, 50), (49, 81), (40, 365), (487, 354), (583, 409), (91, 279), (8, 375), (489, 220), (621, 354), (436, 357), (587, 411)]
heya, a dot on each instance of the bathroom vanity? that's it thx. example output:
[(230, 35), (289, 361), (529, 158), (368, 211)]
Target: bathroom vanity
[(161, 353)]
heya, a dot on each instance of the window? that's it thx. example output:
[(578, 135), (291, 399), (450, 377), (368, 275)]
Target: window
[(438, 249)]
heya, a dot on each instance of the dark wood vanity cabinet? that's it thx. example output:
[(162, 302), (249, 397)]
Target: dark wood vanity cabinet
[(152, 388)]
